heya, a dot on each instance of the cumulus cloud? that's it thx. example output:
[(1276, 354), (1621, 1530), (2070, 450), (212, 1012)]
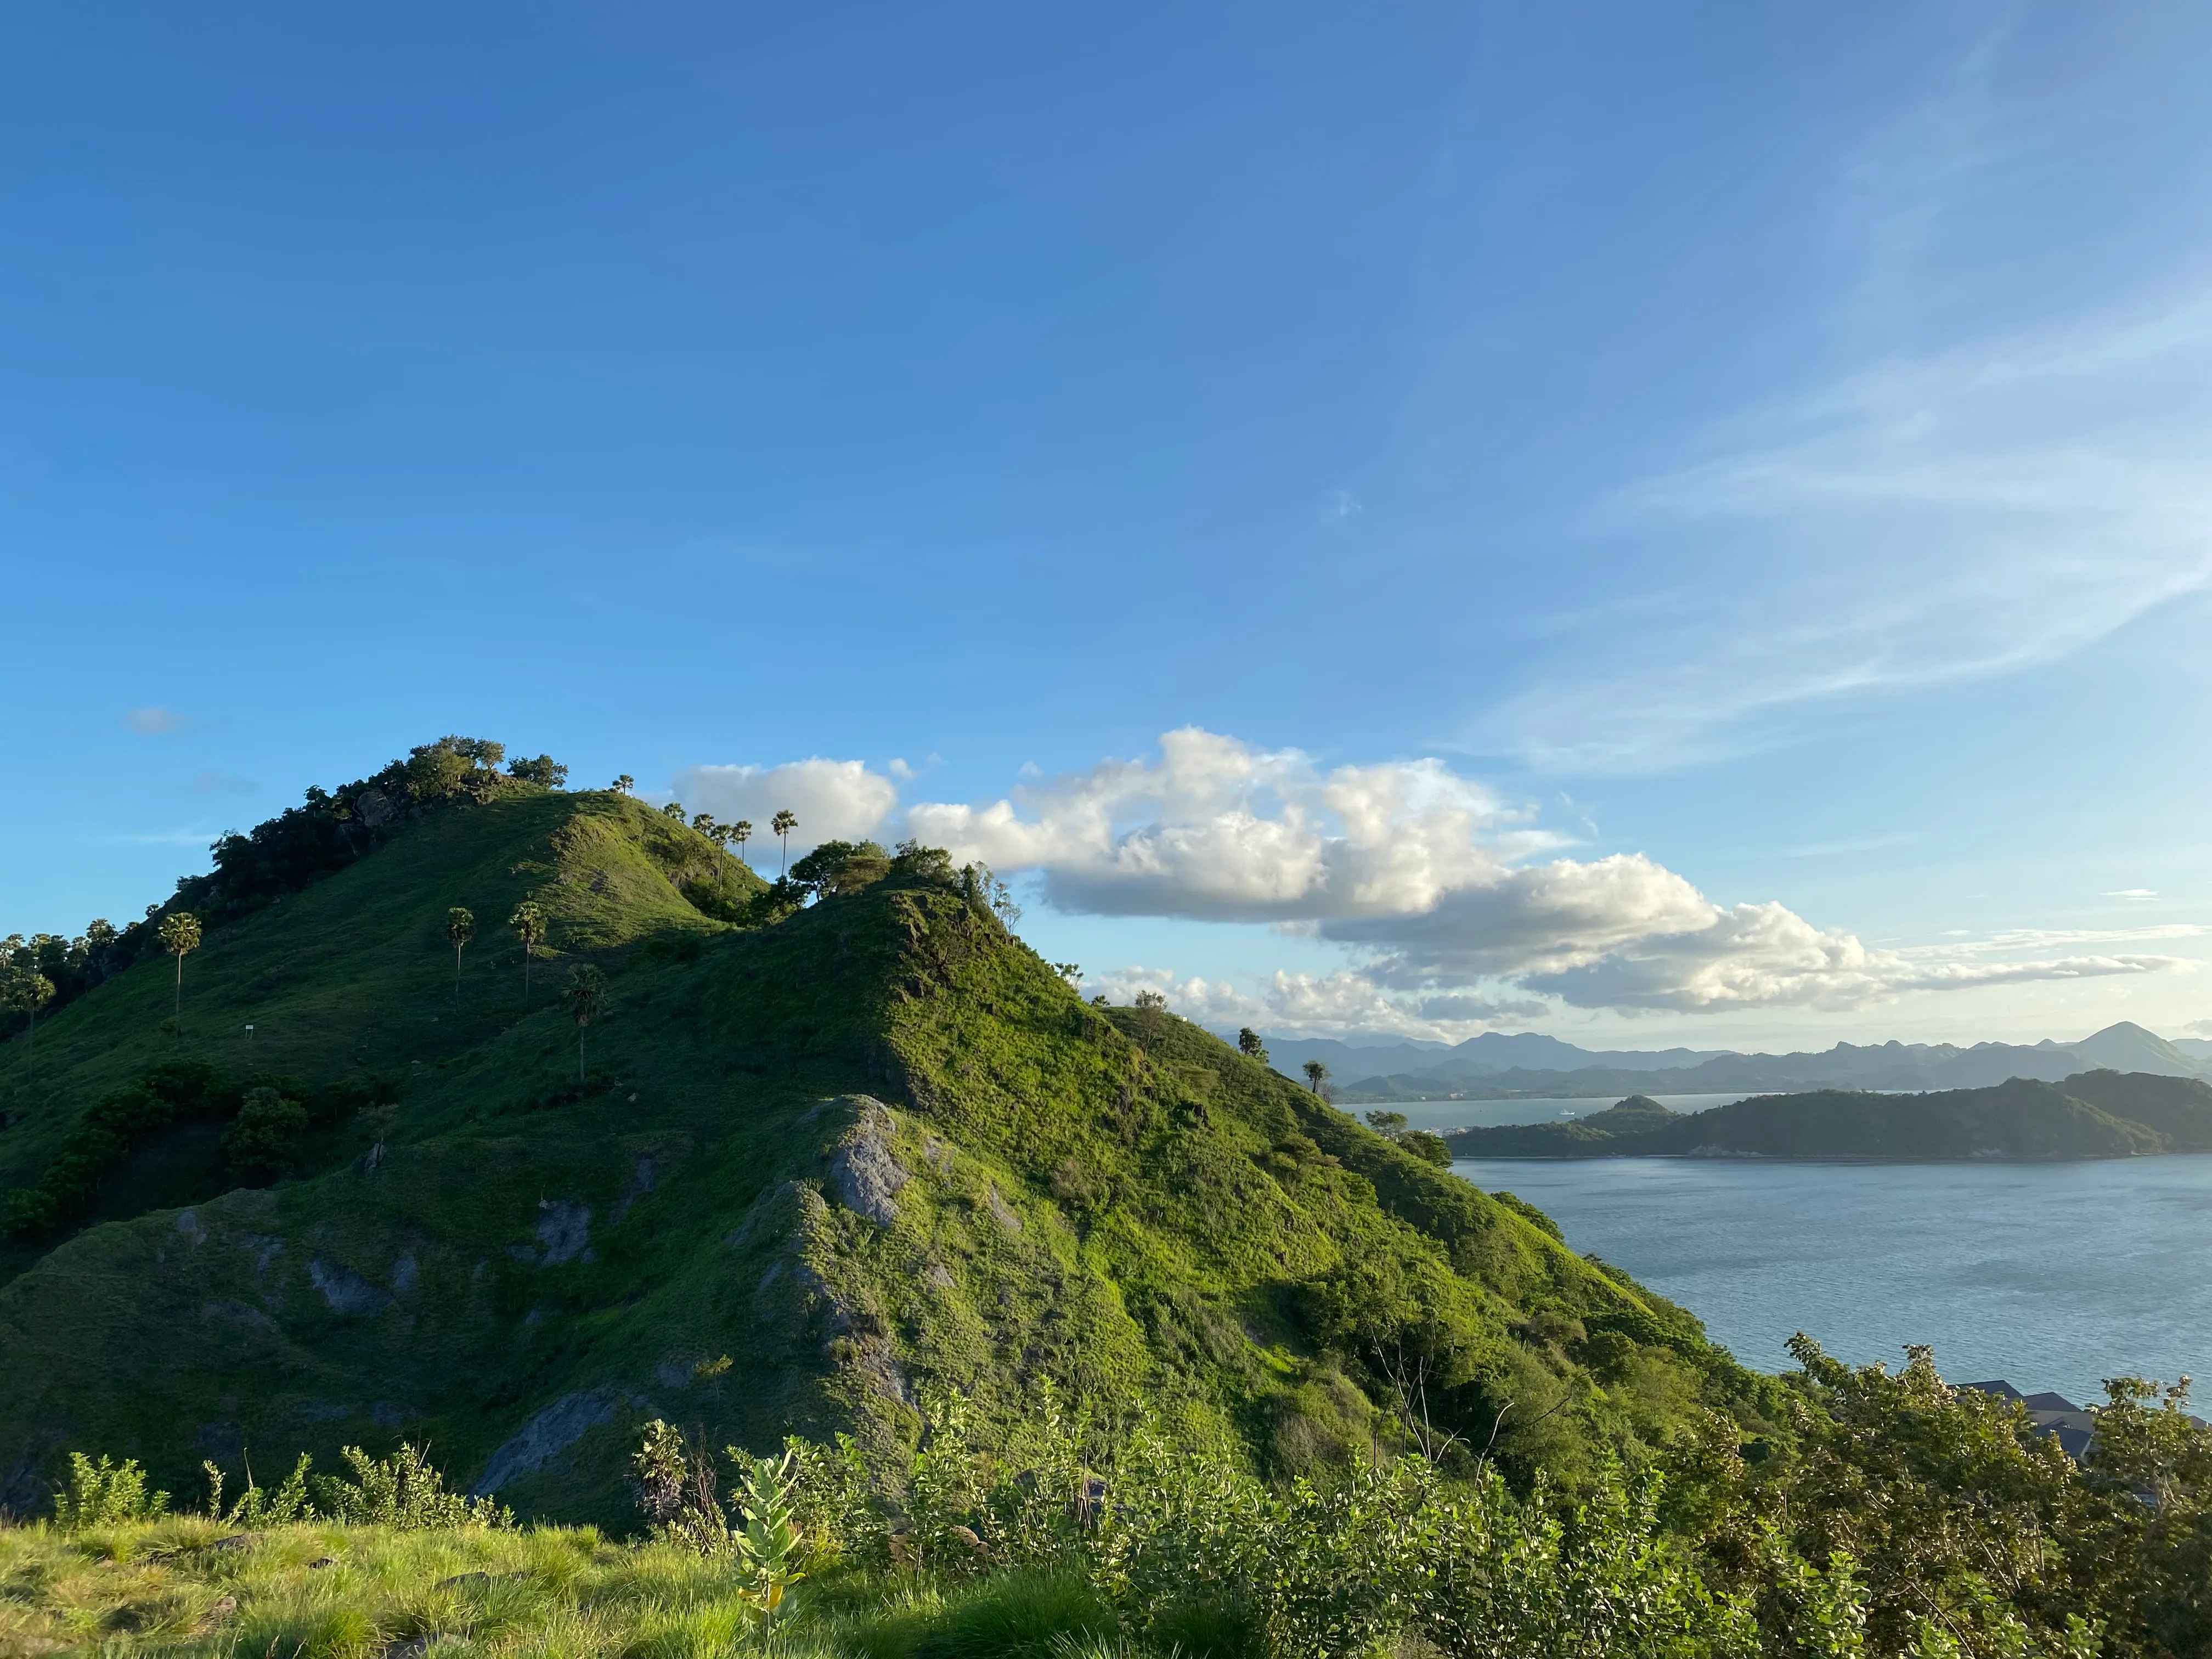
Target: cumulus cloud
[(1315, 1004), (835, 800), (1441, 892), (1218, 830)]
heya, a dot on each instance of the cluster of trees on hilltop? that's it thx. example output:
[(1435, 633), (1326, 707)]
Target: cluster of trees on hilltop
[(42, 973)]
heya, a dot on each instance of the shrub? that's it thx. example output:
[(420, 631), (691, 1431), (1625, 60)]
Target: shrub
[(1428, 1147), (259, 1507), (105, 1494), (263, 1141), (401, 1491)]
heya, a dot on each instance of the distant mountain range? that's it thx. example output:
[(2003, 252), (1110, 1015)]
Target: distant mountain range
[(1498, 1065)]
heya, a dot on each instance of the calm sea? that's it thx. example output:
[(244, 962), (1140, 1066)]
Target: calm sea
[(2049, 1275)]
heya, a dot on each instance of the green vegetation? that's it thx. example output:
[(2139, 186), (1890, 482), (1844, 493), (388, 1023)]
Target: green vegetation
[(2093, 1114), (1100, 1336), (1428, 1148), (460, 927), (870, 1149), (1906, 1518)]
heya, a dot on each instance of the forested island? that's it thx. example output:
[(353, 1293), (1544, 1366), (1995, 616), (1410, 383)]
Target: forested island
[(2099, 1114)]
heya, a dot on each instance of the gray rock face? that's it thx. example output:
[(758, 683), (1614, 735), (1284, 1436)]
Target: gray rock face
[(546, 1436), (265, 1247), (863, 1169), (346, 1291), (1003, 1212), (565, 1230)]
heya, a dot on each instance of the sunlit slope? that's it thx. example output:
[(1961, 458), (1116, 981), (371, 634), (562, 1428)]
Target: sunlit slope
[(819, 1171)]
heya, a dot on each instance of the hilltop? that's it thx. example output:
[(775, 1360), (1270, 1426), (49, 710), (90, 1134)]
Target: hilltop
[(840, 1144), (2101, 1113)]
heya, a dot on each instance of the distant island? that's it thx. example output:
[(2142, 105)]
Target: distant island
[(2099, 1114)]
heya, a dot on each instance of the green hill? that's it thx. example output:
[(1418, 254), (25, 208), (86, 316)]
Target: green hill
[(824, 1164), (2093, 1114)]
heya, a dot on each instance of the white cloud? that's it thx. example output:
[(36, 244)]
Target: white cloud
[(1310, 1005), (2134, 893), (2046, 938), (835, 800), (1438, 890), (1220, 831), (154, 722)]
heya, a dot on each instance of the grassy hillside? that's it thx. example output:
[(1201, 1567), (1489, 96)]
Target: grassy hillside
[(2093, 1114), (818, 1173)]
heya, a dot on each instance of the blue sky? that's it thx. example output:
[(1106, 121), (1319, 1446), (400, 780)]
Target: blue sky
[(1686, 525)]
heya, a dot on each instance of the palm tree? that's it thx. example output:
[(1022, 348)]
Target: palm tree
[(180, 933), (783, 823), (586, 992), (719, 834), (528, 925), (741, 832), (460, 927), (705, 825), (30, 990), (1316, 1075)]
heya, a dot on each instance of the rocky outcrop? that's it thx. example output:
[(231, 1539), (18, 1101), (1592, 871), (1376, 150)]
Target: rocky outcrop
[(545, 1437), (346, 1291), (864, 1169)]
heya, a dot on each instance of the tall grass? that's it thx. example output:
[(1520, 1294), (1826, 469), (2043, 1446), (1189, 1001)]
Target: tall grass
[(186, 1586)]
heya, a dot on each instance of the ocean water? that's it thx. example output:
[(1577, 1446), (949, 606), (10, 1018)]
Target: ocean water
[(2049, 1275), (1440, 1115)]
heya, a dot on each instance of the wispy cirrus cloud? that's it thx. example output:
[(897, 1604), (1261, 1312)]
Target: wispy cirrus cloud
[(1925, 513), (1932, 519)]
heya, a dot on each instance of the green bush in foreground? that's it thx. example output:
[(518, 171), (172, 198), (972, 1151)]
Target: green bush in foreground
[(1912, 1520)]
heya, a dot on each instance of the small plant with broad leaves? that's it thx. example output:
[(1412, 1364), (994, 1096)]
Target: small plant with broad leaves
[(771, 1550)]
